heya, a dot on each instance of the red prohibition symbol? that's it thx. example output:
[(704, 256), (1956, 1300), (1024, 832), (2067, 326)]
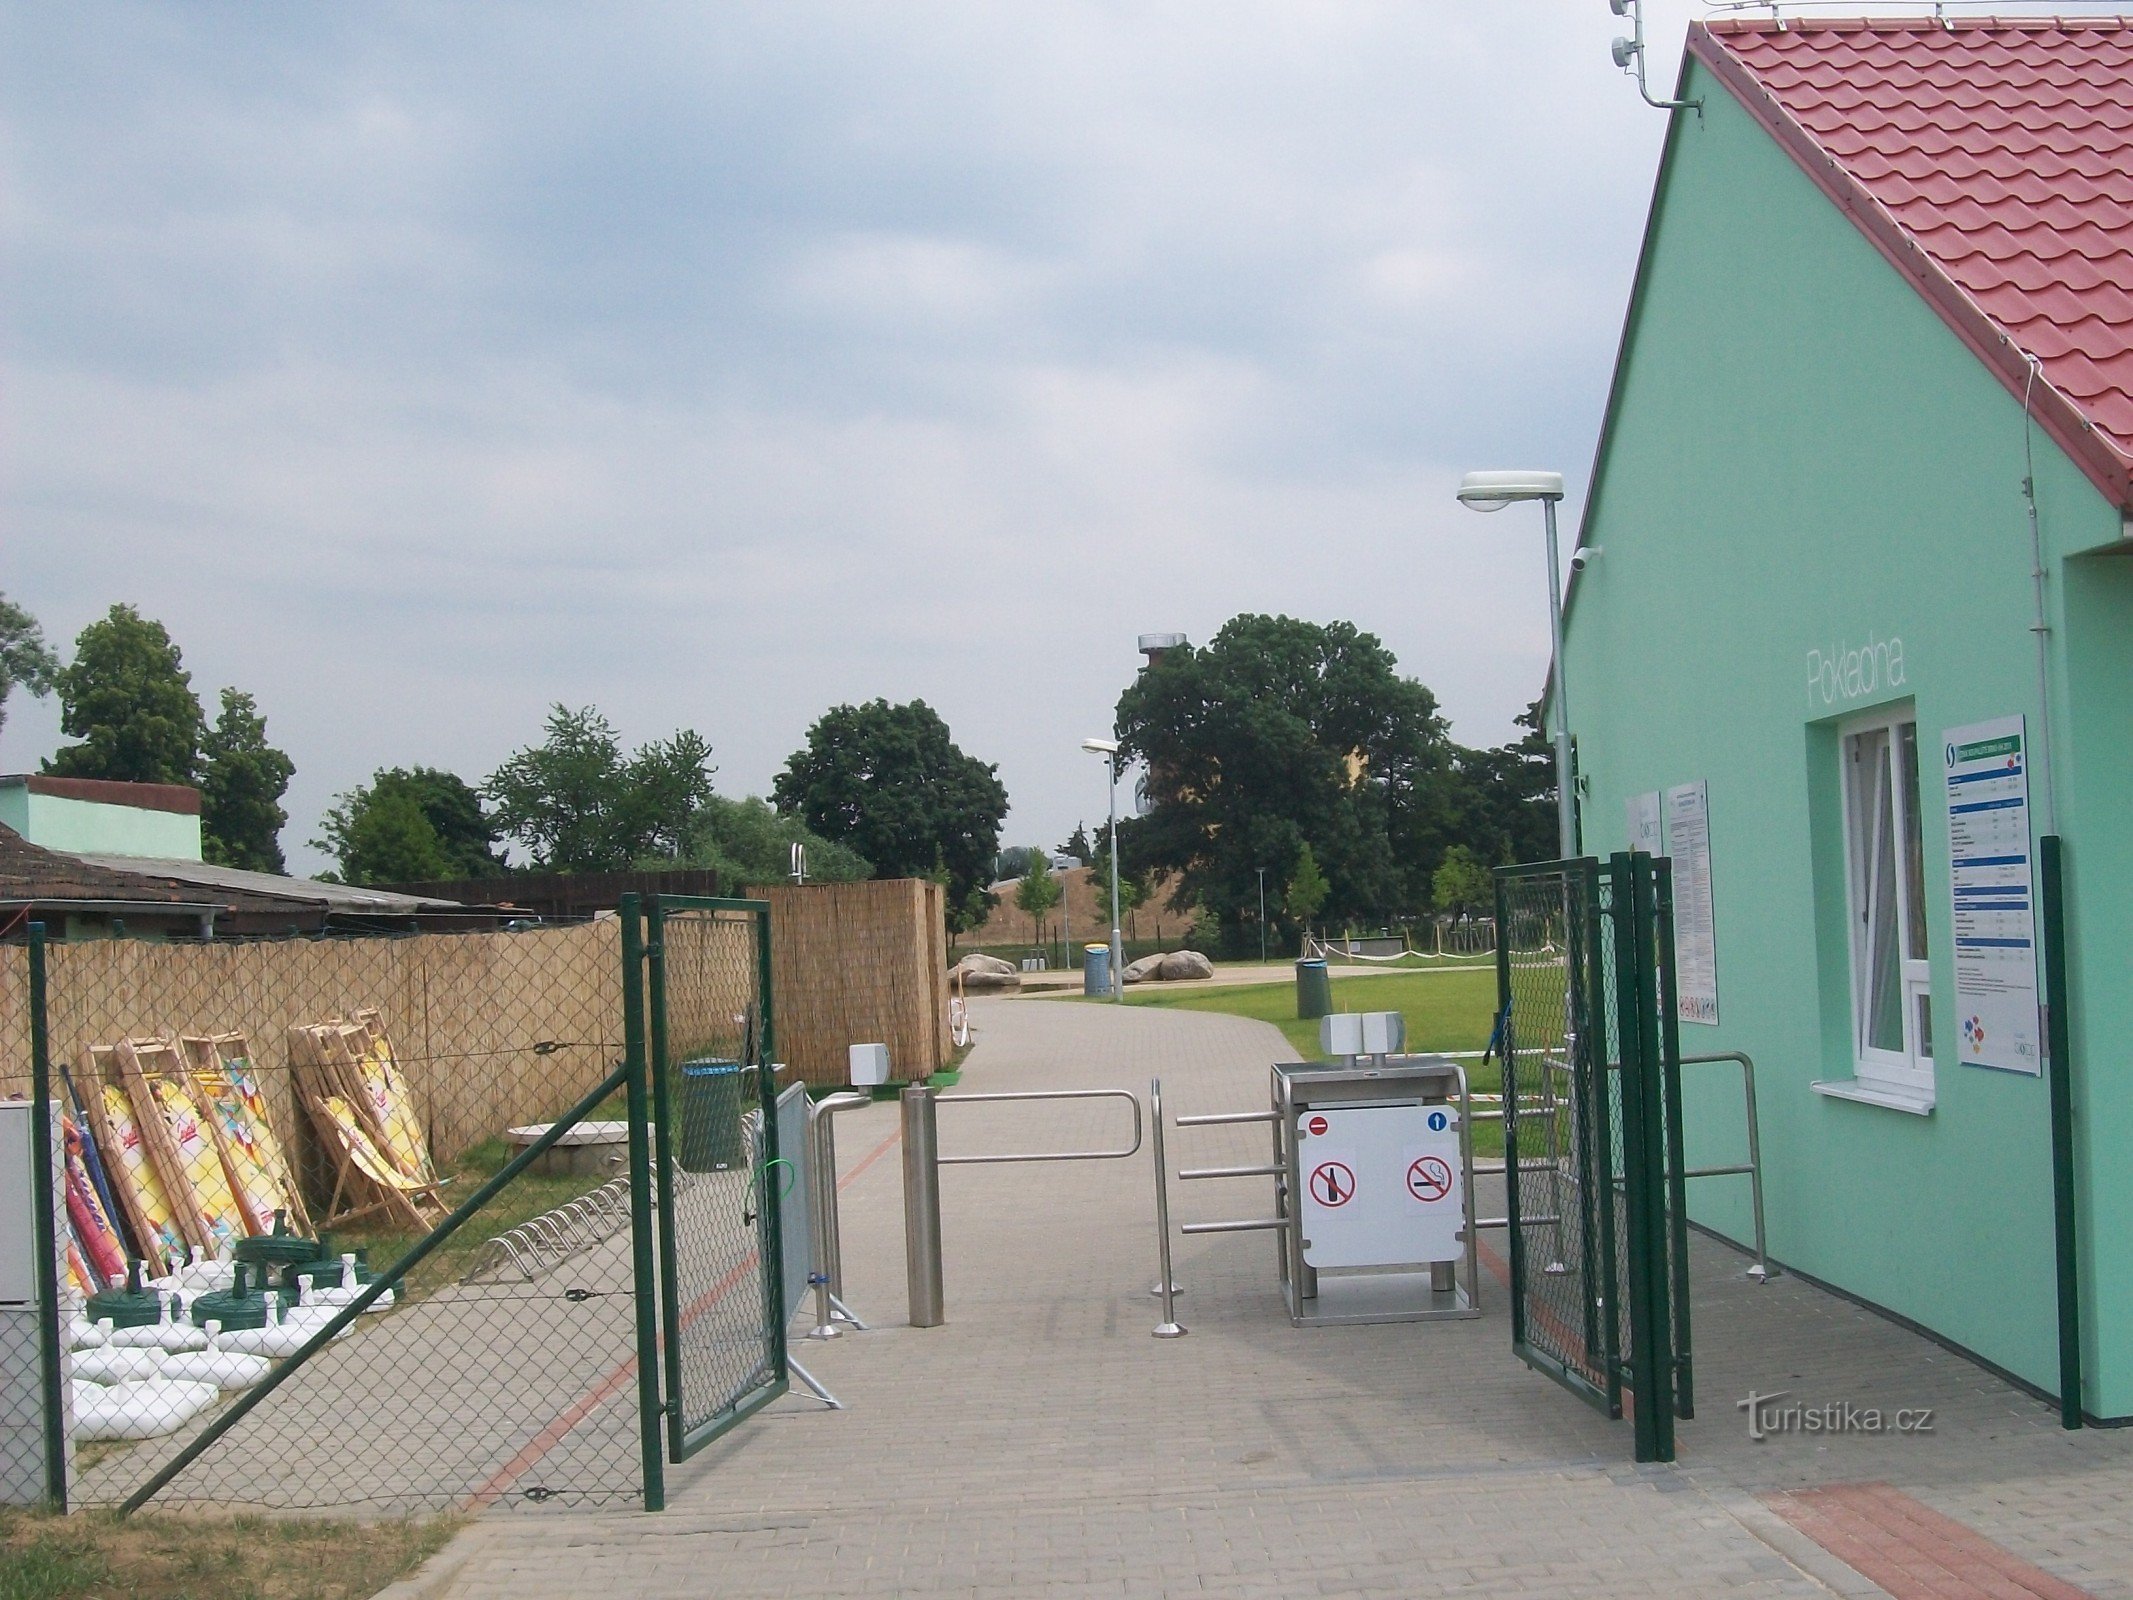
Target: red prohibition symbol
[(1430, 1178), (1332, 1183)]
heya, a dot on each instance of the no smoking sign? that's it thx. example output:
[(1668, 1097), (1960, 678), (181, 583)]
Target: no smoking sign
[(1429, 1179)]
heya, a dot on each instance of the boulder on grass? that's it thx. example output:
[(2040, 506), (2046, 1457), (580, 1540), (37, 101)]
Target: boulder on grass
[(1144, 969), (980, 971), (1184, 964)]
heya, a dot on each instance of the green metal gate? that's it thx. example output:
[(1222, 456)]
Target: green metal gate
[(1592, 1135), (708, 1038)]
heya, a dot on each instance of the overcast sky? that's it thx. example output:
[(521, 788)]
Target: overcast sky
[(419, 366)]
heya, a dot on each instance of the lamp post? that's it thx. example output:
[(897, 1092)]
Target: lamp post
[(1492, 491), (1108, 749)]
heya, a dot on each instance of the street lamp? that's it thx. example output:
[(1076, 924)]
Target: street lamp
[(1262, 914), (1108, 749), (1492, 491)]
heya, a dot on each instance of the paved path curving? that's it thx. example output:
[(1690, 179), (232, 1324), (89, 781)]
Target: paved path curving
[(1041, 1443)]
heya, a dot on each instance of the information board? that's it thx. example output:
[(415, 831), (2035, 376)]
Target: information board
[(1688, 844), (1989, 867)]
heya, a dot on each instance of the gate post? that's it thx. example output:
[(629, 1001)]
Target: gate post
[(641, 1268), (922, 1207)]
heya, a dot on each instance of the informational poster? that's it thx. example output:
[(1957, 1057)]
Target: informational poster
[(1686, 820), (1989, 865), (1647, 828)]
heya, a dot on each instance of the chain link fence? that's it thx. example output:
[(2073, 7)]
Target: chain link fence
[(1594, 1171), (712, 1046), (344, 1222)]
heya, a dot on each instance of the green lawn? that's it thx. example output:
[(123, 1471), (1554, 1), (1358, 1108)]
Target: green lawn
[(1450, 1008)]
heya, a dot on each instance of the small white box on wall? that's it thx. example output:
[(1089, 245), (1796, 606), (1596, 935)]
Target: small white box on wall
[(870, 1065)]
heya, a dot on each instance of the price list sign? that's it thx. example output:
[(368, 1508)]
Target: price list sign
[(1989, 863)]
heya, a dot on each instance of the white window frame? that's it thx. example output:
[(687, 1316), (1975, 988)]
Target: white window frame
[(1903, 1078)]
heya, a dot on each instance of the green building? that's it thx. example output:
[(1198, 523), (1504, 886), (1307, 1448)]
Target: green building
[(1854, 629)]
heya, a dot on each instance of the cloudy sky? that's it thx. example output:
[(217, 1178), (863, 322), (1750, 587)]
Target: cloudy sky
[(422, 365)]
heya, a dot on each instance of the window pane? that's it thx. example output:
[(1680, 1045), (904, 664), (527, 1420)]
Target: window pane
[(1914, 851), (1873, 851)]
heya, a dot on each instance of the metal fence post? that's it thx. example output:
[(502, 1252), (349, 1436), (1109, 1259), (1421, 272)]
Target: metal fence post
[(2060, 1062), (1165, 1285), (646, 1283), (922, 1206), (45, 1231)]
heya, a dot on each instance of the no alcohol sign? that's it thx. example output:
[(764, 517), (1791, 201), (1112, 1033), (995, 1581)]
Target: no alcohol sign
[(1333, 1183)]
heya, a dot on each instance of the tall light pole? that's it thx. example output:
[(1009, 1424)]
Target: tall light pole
[(1492, 491), (1108, 749)]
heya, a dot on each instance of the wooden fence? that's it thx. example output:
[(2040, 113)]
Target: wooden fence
[(494, 1030), (859, 963)]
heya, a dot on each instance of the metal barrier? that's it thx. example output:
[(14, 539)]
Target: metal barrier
[(1752, 1169), (1762, 1271), (828, 1274), (922, 1179), (1165, 1285)]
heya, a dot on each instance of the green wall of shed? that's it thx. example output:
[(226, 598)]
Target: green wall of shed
[(1800, 453)]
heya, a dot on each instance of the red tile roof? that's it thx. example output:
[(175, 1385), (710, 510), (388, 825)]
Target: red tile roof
[(1992, 162)]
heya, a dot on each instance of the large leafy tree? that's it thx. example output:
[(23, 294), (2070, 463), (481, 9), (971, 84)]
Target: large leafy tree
[(748, 843), (889, 782), (127, 697), (390, 839), (1507, 799), (435, 822), (25, 659), (579, 804), (1278, 734), (242, 780)]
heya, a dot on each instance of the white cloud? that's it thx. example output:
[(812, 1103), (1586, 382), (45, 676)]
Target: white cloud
[(420, 367)]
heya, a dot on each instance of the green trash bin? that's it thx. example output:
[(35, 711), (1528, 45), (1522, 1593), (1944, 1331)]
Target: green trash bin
[(1314, 988), (708, 1110)]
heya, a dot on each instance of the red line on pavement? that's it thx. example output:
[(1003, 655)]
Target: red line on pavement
[(536, 1448), (1912, 1550)]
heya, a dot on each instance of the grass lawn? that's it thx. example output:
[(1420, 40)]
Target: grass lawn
[(1450, 1008), (164, 1557)]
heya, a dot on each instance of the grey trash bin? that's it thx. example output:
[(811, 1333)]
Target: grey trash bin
[(1096, 969), (1314, 988)]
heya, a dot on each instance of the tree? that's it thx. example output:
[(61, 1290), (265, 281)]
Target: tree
[(242, 780), (463, 837), (25, 659), (1507, 800), (1307, 890), (390, 839), (746, 842), (1078, 846), (1462, 885), (1037, 893), (889, 782), (1279, 733), (579, 805), (127, 697), (1014, 861)]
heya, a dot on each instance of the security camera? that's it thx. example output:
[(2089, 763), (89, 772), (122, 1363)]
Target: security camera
[(1584, 556)]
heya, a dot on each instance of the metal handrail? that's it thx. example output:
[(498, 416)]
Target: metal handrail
[(1225, 1118), (828, 1276), (1126, 1095), (1166, 1286), (1762, 1271)]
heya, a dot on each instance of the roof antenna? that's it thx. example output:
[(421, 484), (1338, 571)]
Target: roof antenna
[(1629, 56)]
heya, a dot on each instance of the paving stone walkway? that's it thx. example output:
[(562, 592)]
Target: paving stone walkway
[(1042, 1443)]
